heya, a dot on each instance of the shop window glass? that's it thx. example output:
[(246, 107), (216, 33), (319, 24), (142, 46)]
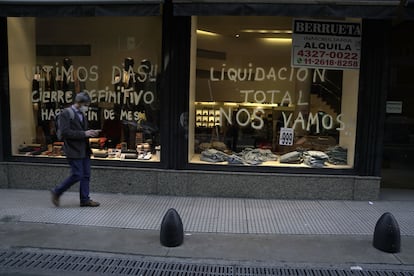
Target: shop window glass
[(114, 59), (247, 103)]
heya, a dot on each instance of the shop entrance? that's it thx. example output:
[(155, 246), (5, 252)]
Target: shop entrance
[(398, 155)]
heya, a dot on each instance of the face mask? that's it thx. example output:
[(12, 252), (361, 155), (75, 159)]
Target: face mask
[(83, 108)]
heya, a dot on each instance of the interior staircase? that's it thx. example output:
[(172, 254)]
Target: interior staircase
[(327, 94), (318, 104)]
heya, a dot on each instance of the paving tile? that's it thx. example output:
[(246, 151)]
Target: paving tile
[(209, 215)]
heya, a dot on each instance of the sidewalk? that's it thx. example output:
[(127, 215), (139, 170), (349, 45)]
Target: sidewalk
[(209, 215), (270, 231)]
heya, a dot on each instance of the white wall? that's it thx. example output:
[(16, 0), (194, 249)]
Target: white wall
[(241, 49), (239, 54), (22, 57), (350, 85), (108, 37)]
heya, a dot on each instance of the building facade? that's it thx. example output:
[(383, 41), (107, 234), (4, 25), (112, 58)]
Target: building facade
[(262, 99)]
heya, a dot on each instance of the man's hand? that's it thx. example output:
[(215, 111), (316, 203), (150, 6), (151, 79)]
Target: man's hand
[(91, 133)]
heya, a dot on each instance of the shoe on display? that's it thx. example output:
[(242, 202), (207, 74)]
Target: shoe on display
[(148, 156)]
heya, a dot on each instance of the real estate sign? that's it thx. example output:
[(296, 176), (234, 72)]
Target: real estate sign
[(326, 44)]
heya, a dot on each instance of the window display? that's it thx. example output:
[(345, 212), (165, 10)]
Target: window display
[(254, 103), (113, 59)]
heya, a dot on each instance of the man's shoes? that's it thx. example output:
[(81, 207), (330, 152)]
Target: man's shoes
[(90, 203), (55, 198)]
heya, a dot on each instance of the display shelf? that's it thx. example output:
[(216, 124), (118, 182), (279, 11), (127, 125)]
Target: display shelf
[(196, 160), (153, 159)]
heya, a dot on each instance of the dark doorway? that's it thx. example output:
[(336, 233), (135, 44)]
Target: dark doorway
[(398, 158)]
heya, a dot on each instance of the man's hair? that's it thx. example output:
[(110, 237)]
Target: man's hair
[(82, 97)]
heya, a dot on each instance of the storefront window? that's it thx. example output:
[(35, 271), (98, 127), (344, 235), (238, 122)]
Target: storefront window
[(114, 59), (253, 102)]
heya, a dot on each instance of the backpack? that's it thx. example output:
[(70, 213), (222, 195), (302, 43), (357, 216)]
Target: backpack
[(58, 123)]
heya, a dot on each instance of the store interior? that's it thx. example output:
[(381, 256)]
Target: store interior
[(243, 90), (115, 59)]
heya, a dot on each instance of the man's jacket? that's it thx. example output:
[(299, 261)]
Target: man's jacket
[(76, 144)]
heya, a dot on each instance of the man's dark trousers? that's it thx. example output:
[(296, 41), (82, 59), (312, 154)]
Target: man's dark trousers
[(80, 172)]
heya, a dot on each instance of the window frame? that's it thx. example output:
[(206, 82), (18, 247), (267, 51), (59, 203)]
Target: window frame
[(176, 34), (366, 160), (72, 10)]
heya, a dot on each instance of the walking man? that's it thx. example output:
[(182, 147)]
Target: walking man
[(73, 127)]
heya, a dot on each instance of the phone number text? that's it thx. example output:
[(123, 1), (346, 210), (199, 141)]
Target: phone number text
[(327, 54), (328, 62)]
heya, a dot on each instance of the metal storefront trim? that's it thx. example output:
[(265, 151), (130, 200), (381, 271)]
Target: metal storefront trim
[(41, 2), (79, 8), (332, 8)]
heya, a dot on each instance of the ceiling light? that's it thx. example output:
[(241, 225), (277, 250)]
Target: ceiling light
[(201, 32), (277, 40), (206, 103), (266, 31), (231, 104)]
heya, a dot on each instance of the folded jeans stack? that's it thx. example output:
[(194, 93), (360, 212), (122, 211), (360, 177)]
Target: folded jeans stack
[(337, 155), (315, 159), (236, 160), (294, 157), (213, 156), (247, 157), (257, 156)]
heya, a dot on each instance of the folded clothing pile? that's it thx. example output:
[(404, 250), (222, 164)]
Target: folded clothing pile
[(32, 149), (257, 156), (100, 153), (213, 156), (217, 145), (236, 160), (248, 156), (129, 155), (97, 143), (315, 159), (337, 155), (294, 157)]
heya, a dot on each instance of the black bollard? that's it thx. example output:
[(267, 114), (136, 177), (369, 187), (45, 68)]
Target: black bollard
[(387, 234), (172, 232)]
